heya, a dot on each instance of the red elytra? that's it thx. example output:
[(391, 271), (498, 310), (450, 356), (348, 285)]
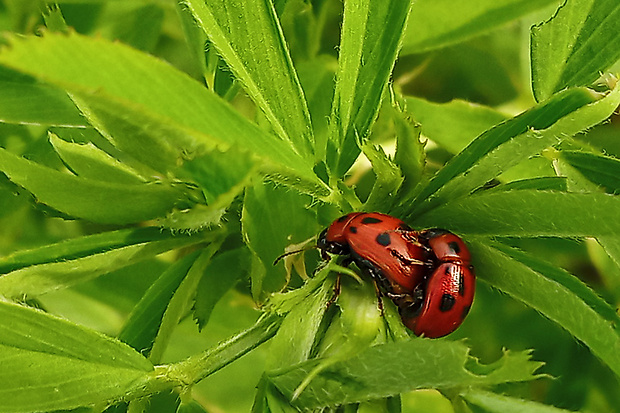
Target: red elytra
[(445, 245), (449, 292), (382, 246), (448, 296)]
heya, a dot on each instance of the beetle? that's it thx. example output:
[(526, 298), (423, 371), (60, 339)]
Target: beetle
[(439, 305), (382, 246)]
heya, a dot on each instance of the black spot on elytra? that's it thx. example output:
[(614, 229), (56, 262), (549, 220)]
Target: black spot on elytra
[(353, 230), (371, 220), (465, 312), (454, 246), (447, 302), (383, 239), (342, 218)]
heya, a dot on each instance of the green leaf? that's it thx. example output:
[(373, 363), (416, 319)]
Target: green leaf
[(88, 161), (51, 364), (85, 246), (157, 142), (269, 399), (460, 21), (54, 20), (525, 125), (144, 322), (199, 366), (94, 200), (25, 101), (554, 300), (359, 324), (182, 300), (218, 172), (370, 41), (493, 402), (528, 213), (223, 272), (513, 141), (248, 36), (136, 24), (567, 280), (297, 335), (467, 120), (61, 273), (394, 368), (602, 170), (191, 407), (222, 176), (410, 156), (195, 38), (544, 183), (575, 45), (317, 77), (611, 244), (110, 80), (274, 218), (388, 178)]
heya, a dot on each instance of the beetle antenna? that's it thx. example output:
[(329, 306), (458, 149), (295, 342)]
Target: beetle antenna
[(297, 251)]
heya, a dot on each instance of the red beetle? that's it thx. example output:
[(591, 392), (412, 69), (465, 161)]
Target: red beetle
[(382, 246), (440, 305), (427, 274)]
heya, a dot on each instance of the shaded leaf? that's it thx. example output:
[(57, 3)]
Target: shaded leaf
[(38, 279), (51, 364), (109, 80), (455, 124), (88, 161), (575, 45), (181, 301), (369, 45), (493, 402), (222, 273), (602, 170), (393, 368), (248, 36), (514, 141), (528, 213), (611, 244), (388, 178), (25, 101), (410, 156), (460, 21), (144, 322), (274, 218), (85, 246), (554, 300), (93, 200), (297, 336)]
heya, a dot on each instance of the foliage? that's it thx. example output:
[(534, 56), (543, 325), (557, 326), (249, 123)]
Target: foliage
[(157, 158)]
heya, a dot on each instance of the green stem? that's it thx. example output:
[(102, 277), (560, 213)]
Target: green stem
[(198, 367), (193, 369)]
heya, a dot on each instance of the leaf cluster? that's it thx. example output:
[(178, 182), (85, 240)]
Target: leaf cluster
[(152, 189)]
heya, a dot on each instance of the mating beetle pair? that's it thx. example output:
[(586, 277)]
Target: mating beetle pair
[(427, 274)]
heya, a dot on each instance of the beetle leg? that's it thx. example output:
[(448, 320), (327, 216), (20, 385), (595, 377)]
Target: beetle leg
[(334, 297), (408, 261)]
